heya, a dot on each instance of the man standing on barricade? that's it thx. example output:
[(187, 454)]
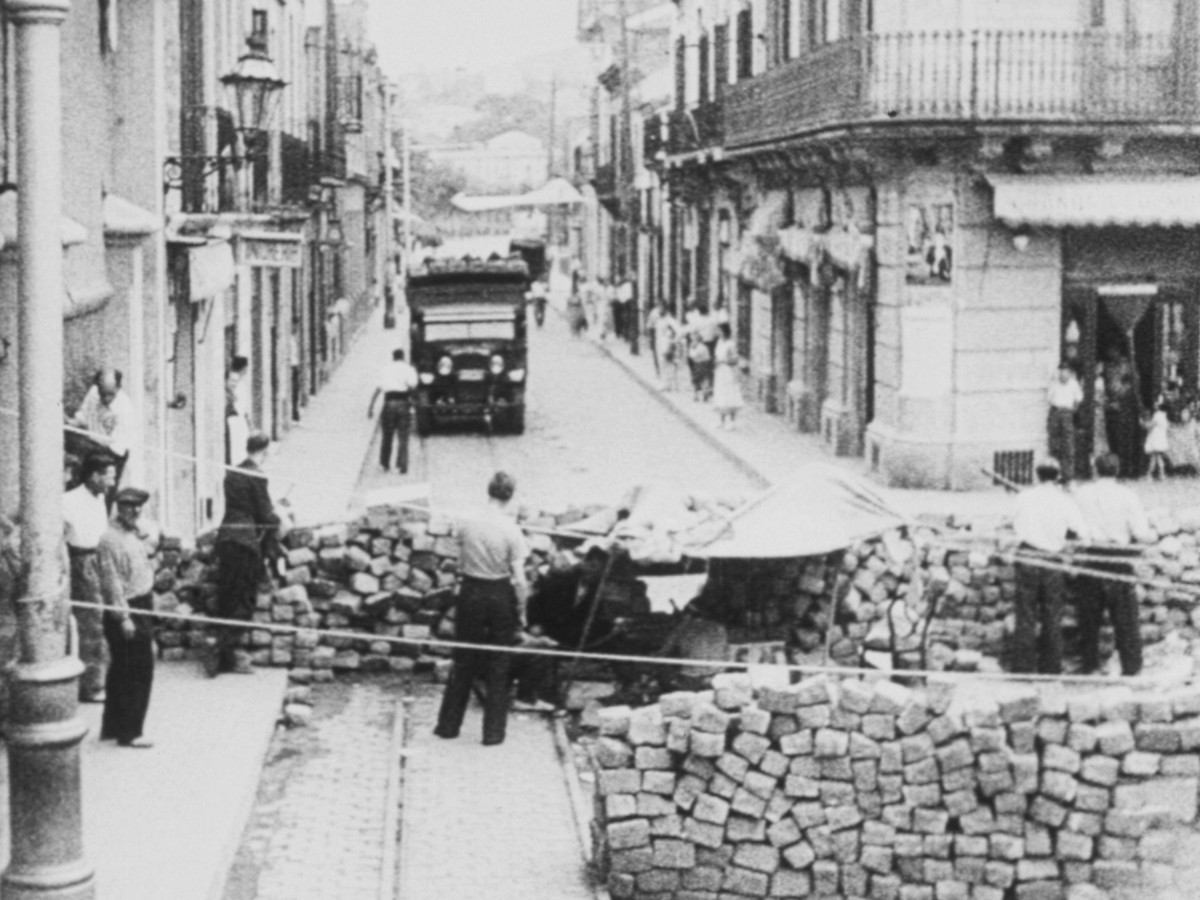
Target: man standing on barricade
[(127, 583), (492, 594), (250, 529), (1116, 520), (1046, 515), (85, 519)]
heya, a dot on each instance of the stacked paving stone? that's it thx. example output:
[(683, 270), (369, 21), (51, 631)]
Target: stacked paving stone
[(853, 790), (386, 575)]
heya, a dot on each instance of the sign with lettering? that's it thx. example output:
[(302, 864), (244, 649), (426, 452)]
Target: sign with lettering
[(285, 252)]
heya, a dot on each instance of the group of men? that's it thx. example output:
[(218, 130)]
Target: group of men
[(109, 553), (1104, 521)]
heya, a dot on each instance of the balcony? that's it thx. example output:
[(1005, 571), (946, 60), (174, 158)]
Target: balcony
[(1059, 77), (694, 129)]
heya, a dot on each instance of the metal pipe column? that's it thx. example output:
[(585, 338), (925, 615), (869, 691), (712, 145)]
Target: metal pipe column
[(44, 734)]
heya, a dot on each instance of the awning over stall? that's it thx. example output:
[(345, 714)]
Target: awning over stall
[(1065, 201), (823, 509)]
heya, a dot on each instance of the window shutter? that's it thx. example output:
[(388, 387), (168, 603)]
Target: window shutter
[(720, 60), (705, 90)]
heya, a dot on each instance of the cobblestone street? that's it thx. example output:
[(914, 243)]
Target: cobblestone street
[(593, 432), (320, 821), (492, 822)]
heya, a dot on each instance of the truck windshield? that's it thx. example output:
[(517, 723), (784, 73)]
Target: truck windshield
[(467, 331)]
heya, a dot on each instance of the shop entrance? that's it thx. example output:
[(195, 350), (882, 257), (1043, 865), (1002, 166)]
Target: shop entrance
[(1131, 344)]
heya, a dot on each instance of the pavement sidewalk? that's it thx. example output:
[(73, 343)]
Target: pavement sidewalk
[(166, 822), (769, 449), (317, 463)]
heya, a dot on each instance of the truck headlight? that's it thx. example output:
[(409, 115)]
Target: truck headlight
[(496, 364), (445, 365), (426, 377), (516, 375)]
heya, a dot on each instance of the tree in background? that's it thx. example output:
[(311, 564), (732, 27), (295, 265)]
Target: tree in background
[(499, 113)]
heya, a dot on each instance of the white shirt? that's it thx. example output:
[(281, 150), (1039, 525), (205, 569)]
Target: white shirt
[(666, 328), (85, 518), (1044, 516), (397, 376), (1066, 395), (1113, 512), (114, 422)]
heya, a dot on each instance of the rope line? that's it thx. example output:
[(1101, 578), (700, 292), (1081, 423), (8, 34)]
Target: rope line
[(518, 650)]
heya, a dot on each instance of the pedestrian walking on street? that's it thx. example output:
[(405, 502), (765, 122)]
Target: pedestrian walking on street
[(727, 392), (666, 347), (1117, 522), (1045, 516), (249, 530), (1064, 397), (701, 364), (127, 583), (576, 315), (397, 381), (492, 594), (85, 520)]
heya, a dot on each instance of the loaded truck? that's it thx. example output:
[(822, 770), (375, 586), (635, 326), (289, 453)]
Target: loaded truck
[(469, 342)]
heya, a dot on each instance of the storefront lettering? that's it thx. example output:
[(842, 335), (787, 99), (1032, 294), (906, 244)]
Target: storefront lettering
[(282, 254)]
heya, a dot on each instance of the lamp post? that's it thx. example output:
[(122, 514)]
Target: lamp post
[(44, 733)]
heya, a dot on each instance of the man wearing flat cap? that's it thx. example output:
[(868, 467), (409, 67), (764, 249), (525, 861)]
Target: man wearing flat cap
[(126, 582)]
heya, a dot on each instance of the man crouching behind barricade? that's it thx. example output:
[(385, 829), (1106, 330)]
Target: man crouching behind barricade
[(699, 636), (249, 531)]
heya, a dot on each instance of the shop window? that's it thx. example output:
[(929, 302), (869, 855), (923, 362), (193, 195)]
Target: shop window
[(930, 239)]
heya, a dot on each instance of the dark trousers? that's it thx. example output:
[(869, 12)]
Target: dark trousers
[(1037, 641), (1119, 598), (1060, 428), (130, 675), (487, 614), (395, 422), (89, 623), (239, 569)]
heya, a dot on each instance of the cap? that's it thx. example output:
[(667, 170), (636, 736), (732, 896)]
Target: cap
[(132, 496)]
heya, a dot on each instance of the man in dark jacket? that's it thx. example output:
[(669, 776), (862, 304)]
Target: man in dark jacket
[(249, 529)]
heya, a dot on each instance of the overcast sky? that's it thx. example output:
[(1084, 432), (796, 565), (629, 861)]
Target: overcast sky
[(476, 34)]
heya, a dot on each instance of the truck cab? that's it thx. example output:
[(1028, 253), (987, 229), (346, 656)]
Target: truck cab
[(469, 342)]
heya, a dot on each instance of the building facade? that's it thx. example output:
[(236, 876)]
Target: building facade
[(915, 210), (193, 236)]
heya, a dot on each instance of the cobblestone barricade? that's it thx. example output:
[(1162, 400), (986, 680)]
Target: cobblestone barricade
[(880, 594), (857, 790), (937, 599), (385, 575)]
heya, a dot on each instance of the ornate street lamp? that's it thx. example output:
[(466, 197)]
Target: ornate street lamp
[(255, 85)]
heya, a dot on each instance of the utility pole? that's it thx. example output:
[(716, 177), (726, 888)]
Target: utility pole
[(408, 210), (45, 805), (628, 195), (389, 203)]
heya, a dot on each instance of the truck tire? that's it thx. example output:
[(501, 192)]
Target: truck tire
[(516, 420), (424, 421)]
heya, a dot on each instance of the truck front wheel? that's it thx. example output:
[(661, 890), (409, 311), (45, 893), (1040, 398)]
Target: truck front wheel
[(424, 421)]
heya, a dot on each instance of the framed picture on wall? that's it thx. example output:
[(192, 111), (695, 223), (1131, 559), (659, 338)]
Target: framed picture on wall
[(929, 228)]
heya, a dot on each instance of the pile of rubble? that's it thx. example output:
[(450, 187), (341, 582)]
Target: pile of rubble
[(858, 790)]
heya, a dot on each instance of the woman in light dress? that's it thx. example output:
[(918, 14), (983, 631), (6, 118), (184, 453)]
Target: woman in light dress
[(727, 392)]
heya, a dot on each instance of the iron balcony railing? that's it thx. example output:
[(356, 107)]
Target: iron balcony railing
[(1092, 76), (694, 129)]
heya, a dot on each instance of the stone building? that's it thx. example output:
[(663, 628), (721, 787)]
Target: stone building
[(915, 210)]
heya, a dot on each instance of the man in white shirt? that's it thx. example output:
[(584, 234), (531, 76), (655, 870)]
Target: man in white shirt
[(397, 381), (107, 414), (492, 596), (1117, 521), (85, 519), (1045, 516), (1064, 397)]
